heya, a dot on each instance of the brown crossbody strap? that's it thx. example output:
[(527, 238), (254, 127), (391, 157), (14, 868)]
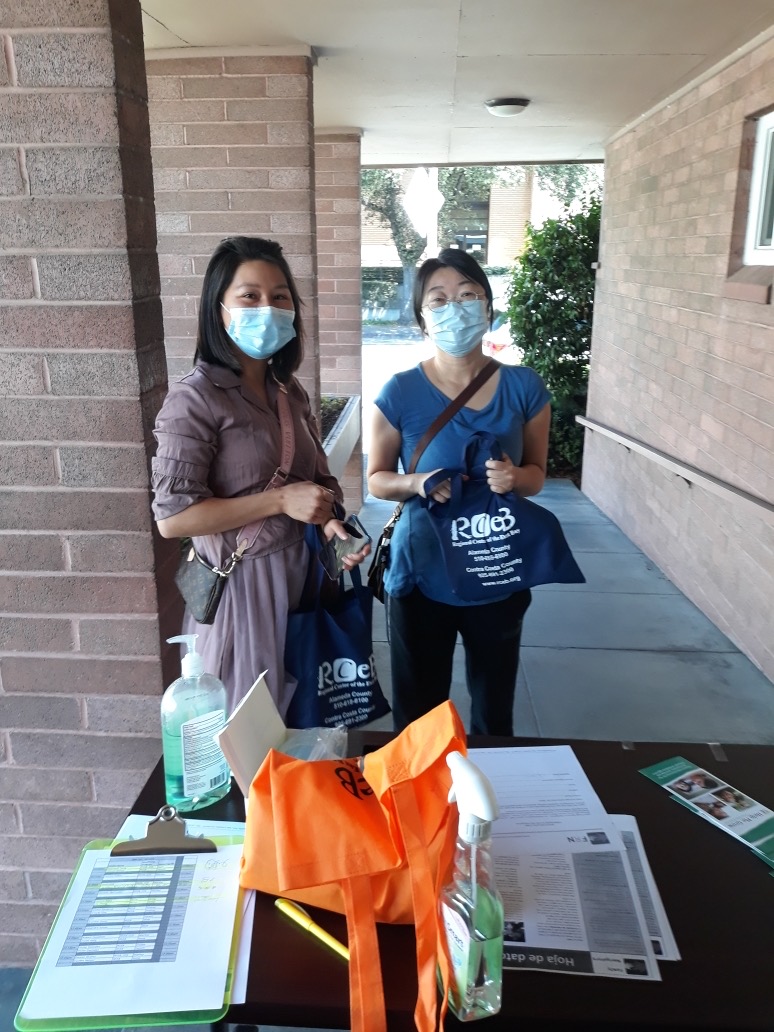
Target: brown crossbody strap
[(451, 410), (248, 535)]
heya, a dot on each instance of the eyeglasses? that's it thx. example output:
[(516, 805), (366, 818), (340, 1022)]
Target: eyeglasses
[(435, 304)]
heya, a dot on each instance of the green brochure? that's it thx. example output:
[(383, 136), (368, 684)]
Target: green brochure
[(710, 796)]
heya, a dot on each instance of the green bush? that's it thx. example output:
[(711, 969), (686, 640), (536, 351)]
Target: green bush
[(382, 293), (550, 306), (384, 273)]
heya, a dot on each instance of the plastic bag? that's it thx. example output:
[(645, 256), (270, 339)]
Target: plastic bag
[(316, 743)]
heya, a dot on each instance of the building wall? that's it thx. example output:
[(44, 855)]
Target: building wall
[(82, 373), (337, 206), (510, 208), (509, 213), (678, 363), (233, 153)]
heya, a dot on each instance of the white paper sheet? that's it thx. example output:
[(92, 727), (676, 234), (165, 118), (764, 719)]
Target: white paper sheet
[(661, 937), (242, 964), (569, 895), (135, 826), (540, 788), (128, 938)]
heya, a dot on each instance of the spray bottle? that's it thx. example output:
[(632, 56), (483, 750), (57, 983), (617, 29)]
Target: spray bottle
[(471, 907), (193, 711)]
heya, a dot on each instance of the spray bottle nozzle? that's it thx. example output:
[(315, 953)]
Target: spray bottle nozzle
[(476, 799), (192, 663)]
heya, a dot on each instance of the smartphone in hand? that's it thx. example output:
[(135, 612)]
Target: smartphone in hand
[(331, 553), (357, 538)]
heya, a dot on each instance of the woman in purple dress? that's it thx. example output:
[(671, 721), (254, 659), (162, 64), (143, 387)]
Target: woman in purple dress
[(219, 444)]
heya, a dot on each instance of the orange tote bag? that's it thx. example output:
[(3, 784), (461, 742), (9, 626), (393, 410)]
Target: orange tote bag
[(374, 843)]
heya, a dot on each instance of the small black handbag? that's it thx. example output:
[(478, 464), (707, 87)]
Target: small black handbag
[(202, 585), (381, 558)]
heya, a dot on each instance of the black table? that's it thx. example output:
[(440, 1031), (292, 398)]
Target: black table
[(718, 896)]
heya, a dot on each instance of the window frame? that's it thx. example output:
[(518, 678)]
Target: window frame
[(761, 207)]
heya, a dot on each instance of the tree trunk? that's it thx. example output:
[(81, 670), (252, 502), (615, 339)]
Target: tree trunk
[(406, 292)]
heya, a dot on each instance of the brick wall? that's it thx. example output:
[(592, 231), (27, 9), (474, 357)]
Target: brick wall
[(678, 364), (337, 203), (81, 375), (233, 152), (337, 189), (509, 212)]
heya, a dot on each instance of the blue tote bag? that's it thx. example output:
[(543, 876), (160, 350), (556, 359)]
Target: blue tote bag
[(495, 544), (329, 650)]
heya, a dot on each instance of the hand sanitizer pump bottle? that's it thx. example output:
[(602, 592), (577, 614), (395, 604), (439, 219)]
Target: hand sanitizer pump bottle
[(193, 710), (471, 907)]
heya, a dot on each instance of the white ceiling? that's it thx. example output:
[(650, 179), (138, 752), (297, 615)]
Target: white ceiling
[(413, 74)]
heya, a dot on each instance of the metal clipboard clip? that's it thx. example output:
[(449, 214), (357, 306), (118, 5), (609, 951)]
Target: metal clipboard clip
[(165, 834)]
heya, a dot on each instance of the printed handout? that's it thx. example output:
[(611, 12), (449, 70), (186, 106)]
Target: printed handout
[(571, 901)]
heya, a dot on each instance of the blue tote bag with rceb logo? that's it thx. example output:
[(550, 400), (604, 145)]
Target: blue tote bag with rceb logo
[(495, 544), (329, 650)]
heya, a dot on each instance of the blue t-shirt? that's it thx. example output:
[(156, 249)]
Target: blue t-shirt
[(410, 402)]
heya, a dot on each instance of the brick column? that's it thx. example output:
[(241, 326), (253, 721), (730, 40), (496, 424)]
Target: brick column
[(337, 188), (81, 374), (232, 153)]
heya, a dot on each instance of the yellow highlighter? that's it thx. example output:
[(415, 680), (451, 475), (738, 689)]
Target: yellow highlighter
[(297, 913)]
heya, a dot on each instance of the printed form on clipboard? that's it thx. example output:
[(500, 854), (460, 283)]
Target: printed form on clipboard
[(126, 944)]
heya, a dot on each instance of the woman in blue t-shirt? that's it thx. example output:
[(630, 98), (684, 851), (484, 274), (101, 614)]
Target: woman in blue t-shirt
[(453, 307)]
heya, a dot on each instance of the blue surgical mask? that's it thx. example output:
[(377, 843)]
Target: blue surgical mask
[(457, 328), (261, 332)]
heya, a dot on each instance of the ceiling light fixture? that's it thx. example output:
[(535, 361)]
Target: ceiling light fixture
[(506, 107)]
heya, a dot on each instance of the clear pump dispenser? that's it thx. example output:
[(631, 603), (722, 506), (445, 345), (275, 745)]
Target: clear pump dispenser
[(193, 711), (470, 904)]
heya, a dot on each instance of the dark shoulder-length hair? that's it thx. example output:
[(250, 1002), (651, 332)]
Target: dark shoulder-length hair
[(213, 344), (464, 263)]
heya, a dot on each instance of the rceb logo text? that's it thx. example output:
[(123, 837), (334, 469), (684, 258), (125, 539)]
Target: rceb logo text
[(344, 671), (483, 526)]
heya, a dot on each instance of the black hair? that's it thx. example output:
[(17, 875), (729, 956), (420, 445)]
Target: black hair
[(450, 257), (213, 344)]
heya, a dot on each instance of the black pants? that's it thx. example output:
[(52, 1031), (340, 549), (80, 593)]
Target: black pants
[(422, 638)]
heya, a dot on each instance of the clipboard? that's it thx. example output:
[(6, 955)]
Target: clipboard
[(143, 922)]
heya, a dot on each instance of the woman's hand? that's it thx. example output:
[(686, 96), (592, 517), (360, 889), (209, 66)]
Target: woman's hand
[(335, 528), (501, 475), (440, 493), (307, 502)]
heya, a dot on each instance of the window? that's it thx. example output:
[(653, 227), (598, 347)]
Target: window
[(759, 240)]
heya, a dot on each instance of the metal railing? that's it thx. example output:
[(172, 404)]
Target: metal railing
[(690, 473)]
